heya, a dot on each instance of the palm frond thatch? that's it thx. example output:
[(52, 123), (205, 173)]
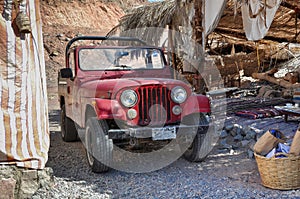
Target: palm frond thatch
[(142, 21), (153, 15)]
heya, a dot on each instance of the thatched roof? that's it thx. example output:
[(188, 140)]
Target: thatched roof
[(179, 14), (157, 14), (154, 15), (170, 12)]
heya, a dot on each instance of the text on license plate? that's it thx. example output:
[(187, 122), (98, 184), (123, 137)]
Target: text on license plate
[(164, 133)]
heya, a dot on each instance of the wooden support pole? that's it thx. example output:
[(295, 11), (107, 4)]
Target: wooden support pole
[(203, 26), (172, 49)]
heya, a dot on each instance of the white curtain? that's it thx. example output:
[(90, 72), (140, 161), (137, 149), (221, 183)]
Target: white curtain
[(213, 12), (258, 16)]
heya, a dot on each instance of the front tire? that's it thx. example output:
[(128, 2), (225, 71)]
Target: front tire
[(194, 153), (68, 128), (98, 146)]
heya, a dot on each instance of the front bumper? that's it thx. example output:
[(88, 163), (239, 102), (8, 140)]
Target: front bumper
[(157, 133)]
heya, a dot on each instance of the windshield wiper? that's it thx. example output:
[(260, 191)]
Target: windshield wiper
[(123, 66)]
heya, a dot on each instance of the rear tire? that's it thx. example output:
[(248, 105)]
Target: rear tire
[(98, 146), (68, 128), (193, 153)]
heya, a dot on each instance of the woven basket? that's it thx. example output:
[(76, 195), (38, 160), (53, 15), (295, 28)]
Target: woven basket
[(279, 173)]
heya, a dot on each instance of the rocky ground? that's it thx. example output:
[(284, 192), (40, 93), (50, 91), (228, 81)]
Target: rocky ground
[(225, 173)]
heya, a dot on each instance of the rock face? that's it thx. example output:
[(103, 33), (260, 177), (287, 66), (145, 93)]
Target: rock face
[(23, 183)]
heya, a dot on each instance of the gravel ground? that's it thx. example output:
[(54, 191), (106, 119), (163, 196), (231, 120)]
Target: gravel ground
[(221, 175)]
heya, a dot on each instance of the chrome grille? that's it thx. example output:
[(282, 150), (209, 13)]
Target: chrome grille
[(154, 105)]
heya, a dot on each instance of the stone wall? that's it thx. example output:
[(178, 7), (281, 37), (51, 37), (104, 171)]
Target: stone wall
[(22, 183)]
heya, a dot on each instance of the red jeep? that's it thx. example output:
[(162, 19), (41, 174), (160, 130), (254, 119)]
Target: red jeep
[(118, 95)]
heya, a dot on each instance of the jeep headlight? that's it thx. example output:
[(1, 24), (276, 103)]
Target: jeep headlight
[(178, 94), (129, 98)]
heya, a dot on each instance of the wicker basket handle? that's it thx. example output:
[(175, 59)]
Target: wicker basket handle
[(280, 153)]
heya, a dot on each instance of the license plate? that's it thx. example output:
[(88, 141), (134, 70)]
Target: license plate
[(164, 133)]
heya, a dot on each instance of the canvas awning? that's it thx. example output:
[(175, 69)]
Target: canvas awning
[(24, 131)]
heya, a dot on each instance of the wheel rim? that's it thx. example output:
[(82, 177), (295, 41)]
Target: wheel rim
[(89, 147)]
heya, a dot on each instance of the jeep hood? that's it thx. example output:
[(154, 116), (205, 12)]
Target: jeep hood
[(108, 88)]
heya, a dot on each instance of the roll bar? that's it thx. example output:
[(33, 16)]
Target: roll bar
[(101, 38)]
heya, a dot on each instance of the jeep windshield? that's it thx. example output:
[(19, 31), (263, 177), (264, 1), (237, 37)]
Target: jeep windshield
[(120, 58)]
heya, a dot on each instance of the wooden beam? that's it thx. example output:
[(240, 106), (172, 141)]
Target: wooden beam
[(278, 81)]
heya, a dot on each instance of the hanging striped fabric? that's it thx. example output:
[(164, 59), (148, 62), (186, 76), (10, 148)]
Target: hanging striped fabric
[(24, 127)]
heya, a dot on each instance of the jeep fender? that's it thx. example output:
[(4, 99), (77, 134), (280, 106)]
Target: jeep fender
[(196, 104), (109, 109)]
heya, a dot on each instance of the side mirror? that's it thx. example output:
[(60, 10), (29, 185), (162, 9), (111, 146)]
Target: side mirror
[(66, 73)]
